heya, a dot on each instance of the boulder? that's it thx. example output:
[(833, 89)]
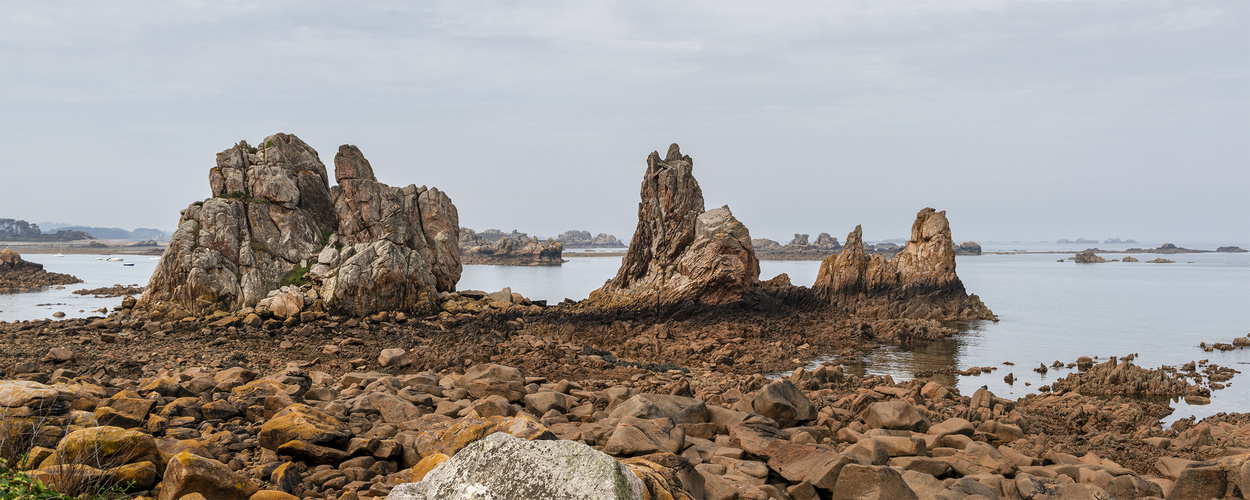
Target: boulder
[(635, 436), (867, 482), (1199, 481), (781, 401), (919, 282), (897, 414), (105, 447), (503, 467), (679, 409), (394, 357), (300, 422), (680, 253), (188, 473), (486, 379)]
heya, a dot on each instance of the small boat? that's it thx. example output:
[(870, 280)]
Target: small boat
[(98, 258), (131, 264), (58, 255), (115, 259), (154, 258)]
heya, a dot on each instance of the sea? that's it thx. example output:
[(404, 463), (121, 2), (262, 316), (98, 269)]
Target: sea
[(1048, 310)]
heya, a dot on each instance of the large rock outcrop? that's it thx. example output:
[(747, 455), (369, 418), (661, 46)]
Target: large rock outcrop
[(681, 253), (919, 282), (17, 274), (274, 220), (509, 251)]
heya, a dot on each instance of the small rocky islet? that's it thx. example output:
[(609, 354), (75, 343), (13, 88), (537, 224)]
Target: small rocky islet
[(306, 341)]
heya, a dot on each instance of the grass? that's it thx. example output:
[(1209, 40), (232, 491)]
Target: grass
[(297, 276), (79, 478)]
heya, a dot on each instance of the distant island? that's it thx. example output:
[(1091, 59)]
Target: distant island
[(20, 230), (1108, 241), (110, 233)]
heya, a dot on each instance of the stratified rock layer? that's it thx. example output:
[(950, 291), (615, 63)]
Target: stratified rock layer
[(680, 253), (920, 282), (274, 220)]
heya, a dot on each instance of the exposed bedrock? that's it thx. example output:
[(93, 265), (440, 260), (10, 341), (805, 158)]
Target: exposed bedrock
[(681, 253), (274, 220), (919, 282)]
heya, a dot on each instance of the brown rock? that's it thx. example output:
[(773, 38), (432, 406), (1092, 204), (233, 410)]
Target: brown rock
[(680, 253), (1088, 257), (780, 400), (860, 482), (189, 473), (635, 436), (897, 414), (1199, 481), (485, 379), (300, 422), (919, 282)]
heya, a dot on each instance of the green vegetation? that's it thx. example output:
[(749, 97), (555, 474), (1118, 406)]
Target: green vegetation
[(269, 143), (20, 230), (297, 276), (257, 246), (243, 197)]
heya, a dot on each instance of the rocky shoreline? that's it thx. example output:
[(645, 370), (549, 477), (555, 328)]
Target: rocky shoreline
[(307, 340), (18, 275), (242, 416)]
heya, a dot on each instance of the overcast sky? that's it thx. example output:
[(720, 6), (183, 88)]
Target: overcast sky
[(1025, 120)]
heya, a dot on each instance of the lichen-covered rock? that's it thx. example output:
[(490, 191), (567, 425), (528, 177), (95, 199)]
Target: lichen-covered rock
[(272, 219), (300, 422), (681, 253), (188, 473), (502, 467), (919, 282)]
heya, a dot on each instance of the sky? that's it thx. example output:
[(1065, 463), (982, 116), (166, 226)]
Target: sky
[(1024, 120)]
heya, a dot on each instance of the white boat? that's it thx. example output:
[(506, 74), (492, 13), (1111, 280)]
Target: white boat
[(58, 255), (115, 259), (154, 258), (98, 258)]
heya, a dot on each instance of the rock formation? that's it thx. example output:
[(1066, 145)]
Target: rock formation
[(19, 275), (919, 282), (968, 248), (583, 239), (508, 251), (799, 248), (680, 253), (1088, 257), (274, 220)]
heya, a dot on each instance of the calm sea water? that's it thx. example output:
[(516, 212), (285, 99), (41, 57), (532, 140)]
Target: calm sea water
[(94, 273), (1048, 310)]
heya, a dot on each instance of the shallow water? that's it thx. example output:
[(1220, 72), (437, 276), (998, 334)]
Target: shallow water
[(94, 273)]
